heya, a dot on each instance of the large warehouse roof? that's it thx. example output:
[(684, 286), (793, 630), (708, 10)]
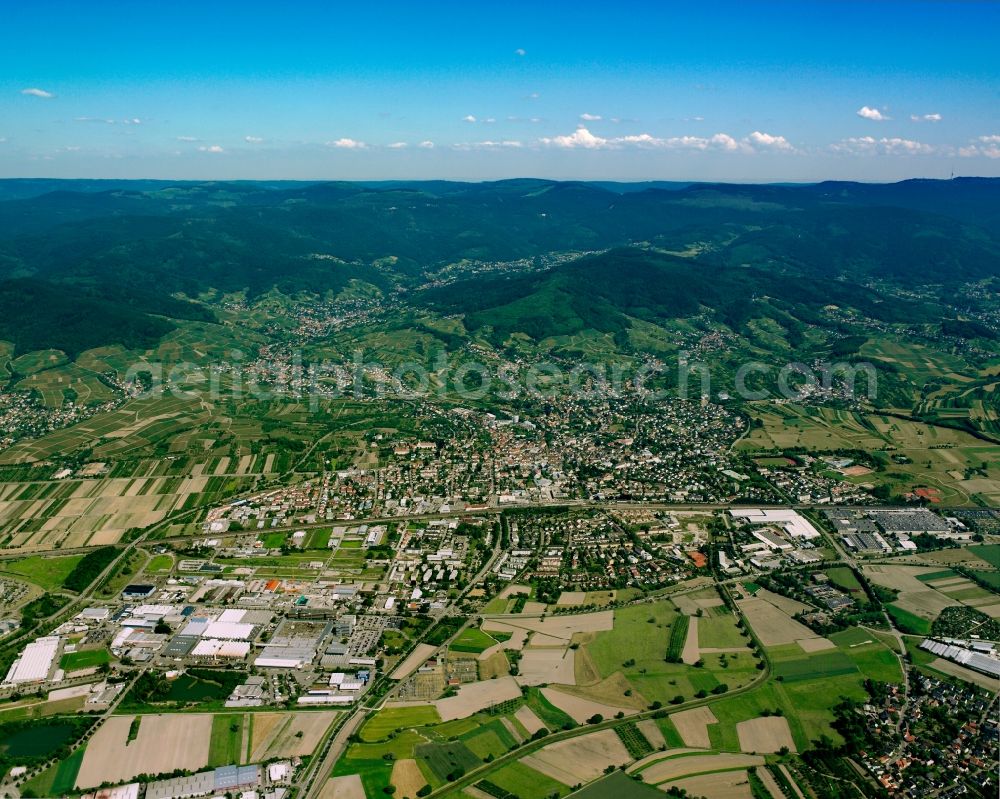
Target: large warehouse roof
[(225, 629), (35, 661), (213, 647), (789, 520)]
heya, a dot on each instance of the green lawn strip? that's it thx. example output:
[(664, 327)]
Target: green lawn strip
[(938, 575), (969, 595), (908, 622), (523, 781), (828, 663), (640, 633), (226, 745), (988, 552), (551, 716), (486, 742), (670, 734), (84, 659), (375, 773), (496, 605), (159, 563), (992, 579), (388, 720), (871, 655), (677, 638), (473, 640), (319, 539), (273, 540), (618, 785), (47, 572), (720, 633), (66, 772), (400, 746), (676, 756), (60, 778), (448, 760)]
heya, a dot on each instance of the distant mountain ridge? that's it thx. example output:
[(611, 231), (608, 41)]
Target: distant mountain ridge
[(132, 244)]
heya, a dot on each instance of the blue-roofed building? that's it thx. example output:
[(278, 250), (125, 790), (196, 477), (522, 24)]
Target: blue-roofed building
[(229, 777)]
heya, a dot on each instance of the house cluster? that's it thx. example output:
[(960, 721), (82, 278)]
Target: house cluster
[(809, 480), (945, 741)]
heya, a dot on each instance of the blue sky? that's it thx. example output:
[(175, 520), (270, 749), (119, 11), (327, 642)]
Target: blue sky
[(646, 90)]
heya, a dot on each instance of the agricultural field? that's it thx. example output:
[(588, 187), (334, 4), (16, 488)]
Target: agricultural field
[(632, 657), (146, 459), (437, 748), (924, 592), (392, 719), (162, 744), (616, 786), (279, 735), (67, 382), (941, 458), (76, 513), (580, 759)]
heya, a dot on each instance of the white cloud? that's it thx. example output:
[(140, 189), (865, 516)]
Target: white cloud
[(507, 144), (985, 146), (94, 119), (872, 113), (590, 117), (642, 139), (489, 120), (132, 121), (725, 141), (869, 145), (926, 117), (898, 146), (769, 142), (252, 139), (398, 145), (520, 51), (533, 96), (347, 144), (212, 148), (188, 138), (582, 138), (38, 93), (427, 144), (468, 118)]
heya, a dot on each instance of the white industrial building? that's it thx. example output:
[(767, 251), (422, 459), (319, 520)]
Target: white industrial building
[(325, 699), (972, 654), (35, 661), (788, 520), (228, 630), (214, 647), (130, 791)]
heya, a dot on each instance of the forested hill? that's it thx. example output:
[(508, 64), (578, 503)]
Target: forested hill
[(129, 255)]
